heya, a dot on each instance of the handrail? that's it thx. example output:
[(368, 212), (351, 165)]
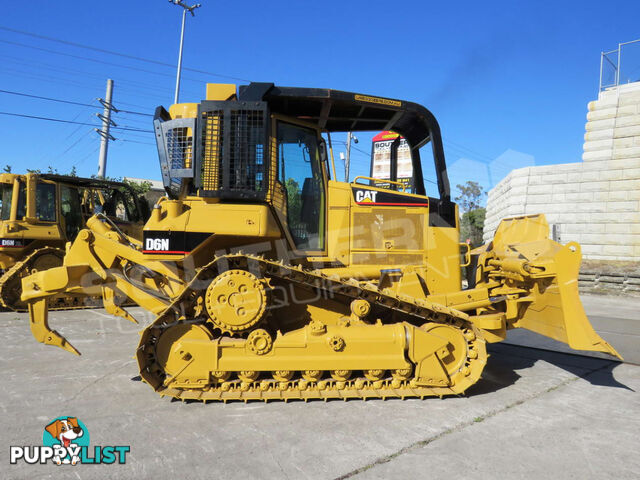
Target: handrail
[(467, 255), (613, 65), (400, 184)]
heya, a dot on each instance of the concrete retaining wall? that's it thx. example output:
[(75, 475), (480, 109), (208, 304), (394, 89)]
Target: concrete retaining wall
[(595, 202), (596, 282)]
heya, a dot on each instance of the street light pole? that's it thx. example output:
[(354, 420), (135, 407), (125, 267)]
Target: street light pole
[(175, 99), (185, 8)]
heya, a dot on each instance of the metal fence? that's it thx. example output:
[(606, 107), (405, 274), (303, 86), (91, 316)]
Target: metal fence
[(621, 65)]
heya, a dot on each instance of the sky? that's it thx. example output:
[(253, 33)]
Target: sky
[(508, 81)]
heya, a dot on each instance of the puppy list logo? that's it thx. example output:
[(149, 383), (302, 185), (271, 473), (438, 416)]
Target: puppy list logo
[(66, 436), (66, 442)]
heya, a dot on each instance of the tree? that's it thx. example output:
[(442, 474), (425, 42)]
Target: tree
[(470, 195), (472, 226), (294, 209), (7, 169), (139, 187), (472, 221), (294, 199)]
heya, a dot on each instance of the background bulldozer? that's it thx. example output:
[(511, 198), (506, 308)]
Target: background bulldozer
[(270, 279), (39, 213)]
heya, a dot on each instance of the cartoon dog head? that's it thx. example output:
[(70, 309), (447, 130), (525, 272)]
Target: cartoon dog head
[(65, 430)]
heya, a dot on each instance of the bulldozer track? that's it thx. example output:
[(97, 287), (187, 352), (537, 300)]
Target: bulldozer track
[(324, 387), (10, 286)]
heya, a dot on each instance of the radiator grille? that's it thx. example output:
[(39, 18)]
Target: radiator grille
[(233, 147), (246, 156), (212, 145)]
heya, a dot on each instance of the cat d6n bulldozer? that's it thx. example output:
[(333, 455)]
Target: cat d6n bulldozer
[(39, 213), (270, 279)]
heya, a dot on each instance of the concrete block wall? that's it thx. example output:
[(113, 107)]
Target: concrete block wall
[(595, 202)]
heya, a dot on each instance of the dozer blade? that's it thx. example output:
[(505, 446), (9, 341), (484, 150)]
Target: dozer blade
[(39, 322), (553, 307)]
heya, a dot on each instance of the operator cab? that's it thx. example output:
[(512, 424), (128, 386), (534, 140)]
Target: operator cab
[(46, 200), (271, 145)]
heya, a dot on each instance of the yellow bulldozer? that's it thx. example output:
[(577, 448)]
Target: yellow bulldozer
[(271, 280), (39, 213)]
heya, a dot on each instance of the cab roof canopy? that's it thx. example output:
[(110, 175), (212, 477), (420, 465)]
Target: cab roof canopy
[(84, 182), (338, 111)]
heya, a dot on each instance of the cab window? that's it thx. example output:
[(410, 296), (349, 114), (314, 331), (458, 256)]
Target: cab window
[(22, 202), (7, 201), (121, 209), (71, 210), (116, 206), (300, 172), (7, 192), (46, 202)]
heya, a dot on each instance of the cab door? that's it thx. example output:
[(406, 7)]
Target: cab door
[(71, 210), (42, 213), (301, 184)]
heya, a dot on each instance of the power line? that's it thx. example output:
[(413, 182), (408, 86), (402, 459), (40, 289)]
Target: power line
[(471, 151), (79, 148), (88, 59), (82, 137), (493, 163), (31, 75), (111, 52), (144, 89), (143, 86), (63, 81), (135, 141), (130, 129), (468, 152), (355, 148), (131, 104), (47, 118), (75, 130), (78, 162), (137, 135), (123, 128), (138, 123), (135, 113), (48, 98)]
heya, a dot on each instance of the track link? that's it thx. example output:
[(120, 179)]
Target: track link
[(265, 387)]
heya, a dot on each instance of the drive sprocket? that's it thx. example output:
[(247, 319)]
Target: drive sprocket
[(236, 301)]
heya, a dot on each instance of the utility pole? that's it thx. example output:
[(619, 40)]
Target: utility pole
[(185, 9), (350, 137), (104, 131)]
